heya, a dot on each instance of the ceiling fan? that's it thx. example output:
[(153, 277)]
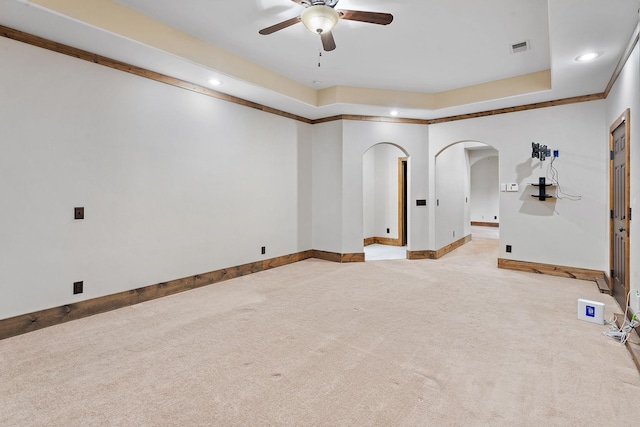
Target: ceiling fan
[(320, 16)]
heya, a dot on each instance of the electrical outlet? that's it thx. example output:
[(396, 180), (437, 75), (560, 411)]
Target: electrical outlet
[(78, 213), (78, 287), (263, 250), (509, 248)]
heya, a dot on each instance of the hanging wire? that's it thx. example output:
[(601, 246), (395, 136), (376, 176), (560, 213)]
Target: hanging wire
[(554, 177)]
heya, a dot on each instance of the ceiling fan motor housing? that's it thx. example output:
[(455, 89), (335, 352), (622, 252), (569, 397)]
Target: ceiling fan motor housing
[(330, 3)]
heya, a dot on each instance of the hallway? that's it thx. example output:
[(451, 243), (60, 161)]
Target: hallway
[(378, 252)]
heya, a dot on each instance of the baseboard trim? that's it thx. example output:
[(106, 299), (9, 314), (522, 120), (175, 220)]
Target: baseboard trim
[(41, 319), (604, 285), (338, 257), (632, 344), (428, 254), (485, 224), (382, 241), (30, 322), (550, 269)]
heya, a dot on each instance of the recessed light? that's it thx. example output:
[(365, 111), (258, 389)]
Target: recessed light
[(587, 56), (215, 82), (394, 112)]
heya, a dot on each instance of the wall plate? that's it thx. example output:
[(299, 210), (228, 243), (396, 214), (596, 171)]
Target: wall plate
[(78, 213)]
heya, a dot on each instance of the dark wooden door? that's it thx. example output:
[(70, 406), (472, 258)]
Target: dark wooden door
[(619, 216)]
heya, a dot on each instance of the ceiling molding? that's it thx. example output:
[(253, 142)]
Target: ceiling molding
[(117, 19), (525, 107), (43, 43), (121, 20), (633, 41), (505, 88)]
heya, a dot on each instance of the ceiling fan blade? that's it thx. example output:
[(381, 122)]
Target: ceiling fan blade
[(370, 17), (328, 43), (284, 24), (300, 2)]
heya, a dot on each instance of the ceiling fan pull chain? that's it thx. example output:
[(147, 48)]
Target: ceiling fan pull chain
[(319, 57)]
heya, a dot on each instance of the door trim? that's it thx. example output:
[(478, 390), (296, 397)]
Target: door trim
[(625, 118), (402, 163)]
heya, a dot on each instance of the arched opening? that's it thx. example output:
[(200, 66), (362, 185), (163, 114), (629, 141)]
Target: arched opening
[(385, 195), (466, 193)]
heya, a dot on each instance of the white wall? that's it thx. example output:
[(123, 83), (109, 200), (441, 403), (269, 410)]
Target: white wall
[(358, 137), (387, 190), (327, 187), (354, 139), (176, 183), (452, 195), (484, 200), (626, 94), (173, 183), (559, 232), (369, 192)]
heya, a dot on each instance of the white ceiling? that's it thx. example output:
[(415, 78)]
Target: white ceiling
[(430, 47)]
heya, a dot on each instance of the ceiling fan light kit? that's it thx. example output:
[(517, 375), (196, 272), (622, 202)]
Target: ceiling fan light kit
[(319, 19), (319, 16)]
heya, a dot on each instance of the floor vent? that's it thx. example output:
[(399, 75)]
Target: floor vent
[(520, 47)]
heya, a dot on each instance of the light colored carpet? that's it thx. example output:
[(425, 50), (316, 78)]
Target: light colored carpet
[(409, 343)]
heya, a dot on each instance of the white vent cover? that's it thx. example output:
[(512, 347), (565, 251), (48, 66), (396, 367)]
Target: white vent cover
[(520, 47)]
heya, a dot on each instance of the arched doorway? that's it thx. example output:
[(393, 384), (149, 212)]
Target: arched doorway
[(385, 195), (466, 190)]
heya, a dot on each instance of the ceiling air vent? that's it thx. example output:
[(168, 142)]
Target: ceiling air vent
[(520, 47)]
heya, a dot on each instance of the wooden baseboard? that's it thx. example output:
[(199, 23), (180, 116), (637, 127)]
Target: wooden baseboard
[(427, 254), (337, 257), (485, 224), (388, 241), (552, 270), (382, 241), (632, 344), (604, 286), (41, 319)]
